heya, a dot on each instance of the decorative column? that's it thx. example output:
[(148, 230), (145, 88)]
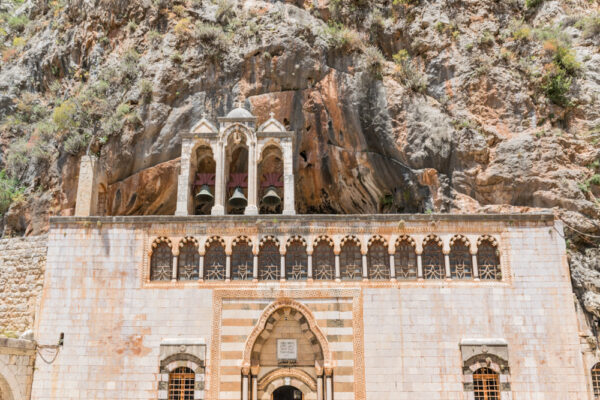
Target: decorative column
[(201, 269), (447, 265), (288, 178), (255, 268), (282, 268), (475, 266), (309, 266), (174, 269), (184, 181), (337, 267), (392, 268), (245, 372), (219, 207), (328, 384), (320, 387), (419, 266), (251, 208), (227, 267), (365, 273), (254, 387)]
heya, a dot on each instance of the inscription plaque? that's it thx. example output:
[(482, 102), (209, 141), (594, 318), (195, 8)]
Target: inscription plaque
[(287, 349)]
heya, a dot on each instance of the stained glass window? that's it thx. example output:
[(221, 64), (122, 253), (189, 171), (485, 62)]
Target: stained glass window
[(486, 384), (269, 261), (351, 261), (433, 261), (405, 260), (323, 261), (488, 261), (214, 262), (188, 262), (161, 263), (378, 261), (461, 261), (296, 261), (242, 261), (181, 384)]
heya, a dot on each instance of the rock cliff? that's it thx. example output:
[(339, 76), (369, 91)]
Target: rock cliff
[(398, 105)]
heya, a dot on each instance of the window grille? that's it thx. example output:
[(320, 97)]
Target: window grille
[(433, 261), (188, 262), (488, 261), (242, 261), (486, 384), (296, 261), (161, 263), (405, 261), (351, 261), (214, 262), (378, 261), (461, 262), (596, 380), (181, 384), (269, 261), (323, 261)]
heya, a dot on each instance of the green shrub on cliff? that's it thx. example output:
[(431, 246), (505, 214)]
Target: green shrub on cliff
[(9, 191)]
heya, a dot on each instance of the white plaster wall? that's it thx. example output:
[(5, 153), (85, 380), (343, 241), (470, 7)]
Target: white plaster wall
[(112, 328), (415, 354)]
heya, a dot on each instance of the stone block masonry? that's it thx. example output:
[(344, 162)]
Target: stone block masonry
[(22, 265)]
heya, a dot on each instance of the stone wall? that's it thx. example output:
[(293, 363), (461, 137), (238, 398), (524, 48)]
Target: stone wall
[(22, 265), (17, 357), (389, 340)]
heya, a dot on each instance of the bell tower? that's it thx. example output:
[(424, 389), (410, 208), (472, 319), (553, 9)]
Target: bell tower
[(237, 168)]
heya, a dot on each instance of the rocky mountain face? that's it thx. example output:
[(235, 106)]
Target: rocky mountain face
[(398, 105)]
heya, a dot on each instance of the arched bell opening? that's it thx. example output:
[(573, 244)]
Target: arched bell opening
[(287, 393), (270, 175), (204, 180), (237, 173)]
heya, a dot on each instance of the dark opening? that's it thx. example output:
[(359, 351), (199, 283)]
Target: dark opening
[(287, 393)]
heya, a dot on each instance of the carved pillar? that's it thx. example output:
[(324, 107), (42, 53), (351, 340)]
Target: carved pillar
[(282, 268), (392, 268), (219, 207), (475, 266), (184, 181), (309, 265), (288, 178), (447, 265), (337, 267), (201, 269), (251, 208)]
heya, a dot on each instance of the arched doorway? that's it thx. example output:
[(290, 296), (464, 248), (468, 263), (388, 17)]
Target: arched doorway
[(287, 393)]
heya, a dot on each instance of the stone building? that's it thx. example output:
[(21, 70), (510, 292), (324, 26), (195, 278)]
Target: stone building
[(238, 298)]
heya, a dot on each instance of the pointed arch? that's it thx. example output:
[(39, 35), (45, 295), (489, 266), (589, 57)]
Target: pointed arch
[(271, 309)]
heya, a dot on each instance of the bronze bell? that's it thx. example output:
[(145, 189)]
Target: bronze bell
[(238, 200), (204, 195), (271, 198)]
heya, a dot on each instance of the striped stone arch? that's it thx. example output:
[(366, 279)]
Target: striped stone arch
[(268, 238), (213, 239), (407, 239), (156, 242), (433, 238), (308, 322), (460, 238), (297, 378), (492, 240), (377, 238), (325, 238), (241, 238), (188, 240)]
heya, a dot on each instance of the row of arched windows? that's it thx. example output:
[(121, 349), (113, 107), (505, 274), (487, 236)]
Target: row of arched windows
[(297, 263)]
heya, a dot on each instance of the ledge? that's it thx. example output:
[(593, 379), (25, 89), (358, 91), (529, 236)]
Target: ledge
[(309, 218), (19, 344)]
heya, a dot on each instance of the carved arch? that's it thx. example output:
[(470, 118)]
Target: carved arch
[(293, 373), (272, 309), (241, 128)]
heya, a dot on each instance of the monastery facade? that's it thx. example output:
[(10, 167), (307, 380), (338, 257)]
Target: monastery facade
[(235, 297)]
